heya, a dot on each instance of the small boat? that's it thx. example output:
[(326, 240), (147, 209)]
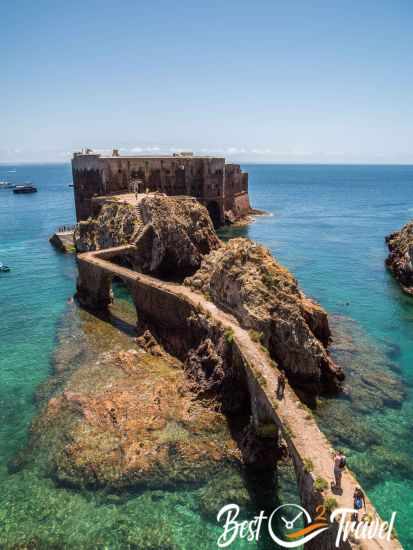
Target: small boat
[(26, 188), (6, 185), (4, 268)]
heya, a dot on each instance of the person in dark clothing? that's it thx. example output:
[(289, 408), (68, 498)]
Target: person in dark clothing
[(281, 385), (359, 502), (339, 466)]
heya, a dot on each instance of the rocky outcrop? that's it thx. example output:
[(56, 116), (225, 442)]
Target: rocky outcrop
[(63, 241), (171, 235), (244, 279), (174, 239), (212, 362), (132, 419), (400, 259)]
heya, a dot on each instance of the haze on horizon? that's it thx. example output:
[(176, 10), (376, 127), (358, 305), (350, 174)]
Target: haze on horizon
[(270, 81)]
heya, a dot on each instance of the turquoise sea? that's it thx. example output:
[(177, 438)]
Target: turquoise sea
[(327, 225)]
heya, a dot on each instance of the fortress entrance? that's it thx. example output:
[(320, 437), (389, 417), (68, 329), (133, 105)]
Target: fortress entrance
[(215, 213)]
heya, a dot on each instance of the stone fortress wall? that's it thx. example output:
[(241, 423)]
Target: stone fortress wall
[(221, 187)]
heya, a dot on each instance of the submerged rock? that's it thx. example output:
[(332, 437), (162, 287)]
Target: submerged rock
[(171, 234), (243, 278), (222, 489), (132, 419), (400, 259), (371, 383), (365, 421)]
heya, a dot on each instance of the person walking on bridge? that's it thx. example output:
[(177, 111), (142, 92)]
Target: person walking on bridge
[(281, 385), (339, 465), (359, 502)]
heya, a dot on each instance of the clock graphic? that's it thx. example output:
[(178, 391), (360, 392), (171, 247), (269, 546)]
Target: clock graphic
[(289, 524), (294, 535)]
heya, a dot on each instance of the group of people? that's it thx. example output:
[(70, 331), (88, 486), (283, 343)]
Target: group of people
[(359, 500)]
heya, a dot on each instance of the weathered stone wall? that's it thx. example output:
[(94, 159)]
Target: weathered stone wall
[(208, 179), (236, 187), (88, 181), (241, 204)]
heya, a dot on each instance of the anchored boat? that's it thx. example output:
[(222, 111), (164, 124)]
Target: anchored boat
[(4, 268), (26, 188)]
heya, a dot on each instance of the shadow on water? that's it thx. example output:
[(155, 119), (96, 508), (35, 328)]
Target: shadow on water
[(121, 313), (128, 328), (231, 232)]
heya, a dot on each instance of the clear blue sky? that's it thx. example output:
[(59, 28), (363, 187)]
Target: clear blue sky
[(282, 81)]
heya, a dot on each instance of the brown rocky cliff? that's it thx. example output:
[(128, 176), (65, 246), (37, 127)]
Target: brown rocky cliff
[(171, 235), (400, 259), (174, 239), (244, 279)]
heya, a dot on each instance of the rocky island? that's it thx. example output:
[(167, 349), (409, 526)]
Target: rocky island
[(196, 396), (400, 259)]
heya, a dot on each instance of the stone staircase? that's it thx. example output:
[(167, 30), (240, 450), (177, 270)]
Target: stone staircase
[(140, 224)]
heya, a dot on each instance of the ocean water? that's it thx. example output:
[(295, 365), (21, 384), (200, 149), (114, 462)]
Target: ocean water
[(327, 225), (33, 295)]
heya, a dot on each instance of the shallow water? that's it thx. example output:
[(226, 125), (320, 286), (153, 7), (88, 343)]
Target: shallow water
[(328, 226)]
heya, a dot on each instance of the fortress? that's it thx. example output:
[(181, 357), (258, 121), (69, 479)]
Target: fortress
[(221, 187)]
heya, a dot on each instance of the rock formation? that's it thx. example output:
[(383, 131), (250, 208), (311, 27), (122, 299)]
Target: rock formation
[(174, 239), (244, 279), (132, 419), (116, 417), (400, 259), (171, 235)]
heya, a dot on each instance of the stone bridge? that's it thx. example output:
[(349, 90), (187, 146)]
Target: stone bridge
[(168, 306)]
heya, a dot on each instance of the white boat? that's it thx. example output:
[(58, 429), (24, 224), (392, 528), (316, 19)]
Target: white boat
[(4, 268)]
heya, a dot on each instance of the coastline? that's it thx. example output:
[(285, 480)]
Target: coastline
[(253, 214)]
